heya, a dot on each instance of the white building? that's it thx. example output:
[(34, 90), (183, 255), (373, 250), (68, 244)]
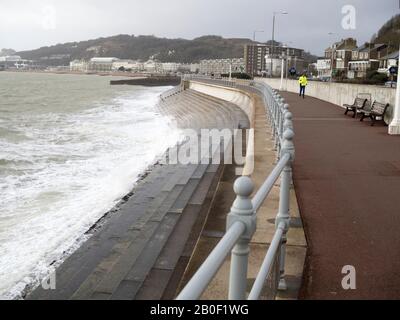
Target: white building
[(170, 67), (221, 66), (194, 68), (324, 68), (152, 66), (102, 64), (391, 60), (128, 65), (79, 66), (10, 61)]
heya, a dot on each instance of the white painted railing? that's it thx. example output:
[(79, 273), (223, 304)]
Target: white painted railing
[(242, 220)]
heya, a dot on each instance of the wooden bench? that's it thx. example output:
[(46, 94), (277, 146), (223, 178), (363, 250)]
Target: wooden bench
[(378, 110), (359, 104)]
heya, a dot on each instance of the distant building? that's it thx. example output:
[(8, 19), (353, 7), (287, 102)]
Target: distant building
[(259, 59), (184, 67), (221, 66), (324, 68), (388, 61), (10, 61), (128, 65), (340, 53), (366, 58), (79, 66), (102, 64), (170, 67), (152, 66), (194, 68)]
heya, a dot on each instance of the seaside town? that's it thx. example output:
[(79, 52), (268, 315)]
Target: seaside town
[(343, 60), (200, 166)]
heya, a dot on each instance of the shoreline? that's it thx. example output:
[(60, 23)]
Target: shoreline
[(102, 221), (101, 74), (32, 280)]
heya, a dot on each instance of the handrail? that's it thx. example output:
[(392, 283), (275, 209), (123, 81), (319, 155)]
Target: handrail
[(266, 266), (197, 285), (242, 220), (266, 188)]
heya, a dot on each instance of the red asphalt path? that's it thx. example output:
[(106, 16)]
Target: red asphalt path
[(347, 180)]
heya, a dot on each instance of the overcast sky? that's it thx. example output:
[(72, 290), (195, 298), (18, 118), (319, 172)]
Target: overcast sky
[(29, 24)]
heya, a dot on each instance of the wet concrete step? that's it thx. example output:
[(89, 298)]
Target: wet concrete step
[(164, 277), (133, 270), (118, 263), (157, 224), (116, 230), (110, 238)]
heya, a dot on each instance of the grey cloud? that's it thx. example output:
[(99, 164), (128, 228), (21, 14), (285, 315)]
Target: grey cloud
[(307, 25)]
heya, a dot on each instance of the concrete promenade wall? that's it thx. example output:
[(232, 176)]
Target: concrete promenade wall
[(237, 97), (241, 99), (337, 93)]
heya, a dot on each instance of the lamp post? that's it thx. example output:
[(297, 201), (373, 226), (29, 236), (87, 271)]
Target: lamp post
[(284, 58), (287, 62), (273, 38), (394, 128)]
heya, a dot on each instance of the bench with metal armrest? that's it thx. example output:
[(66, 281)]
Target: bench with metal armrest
[(378, 110), (359, 104)]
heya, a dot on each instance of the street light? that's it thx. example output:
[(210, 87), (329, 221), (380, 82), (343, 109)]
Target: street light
[(273, 37), (255, 32)]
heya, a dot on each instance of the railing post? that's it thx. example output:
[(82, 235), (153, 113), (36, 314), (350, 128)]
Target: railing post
[(284, 202), (241, 211)]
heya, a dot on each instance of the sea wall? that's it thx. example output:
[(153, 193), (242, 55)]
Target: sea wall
[(241, 99), (149, 82), (336, 93)]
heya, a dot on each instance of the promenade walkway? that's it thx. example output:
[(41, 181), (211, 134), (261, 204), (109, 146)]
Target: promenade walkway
[(347, 180), (215, 226)]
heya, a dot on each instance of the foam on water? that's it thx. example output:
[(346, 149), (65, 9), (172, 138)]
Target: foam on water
[(64, 171)]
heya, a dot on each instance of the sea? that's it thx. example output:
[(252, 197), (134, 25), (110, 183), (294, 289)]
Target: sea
[(71, 147)]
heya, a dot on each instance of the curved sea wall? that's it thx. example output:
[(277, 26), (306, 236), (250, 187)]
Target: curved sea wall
[(239, 98)]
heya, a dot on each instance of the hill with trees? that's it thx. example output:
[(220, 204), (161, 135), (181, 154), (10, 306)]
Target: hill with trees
[(389, 34), (140, 48)]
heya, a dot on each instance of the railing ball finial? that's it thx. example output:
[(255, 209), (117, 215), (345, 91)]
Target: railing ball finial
[(243, 187), (288, 134), (242, 208), (285, 108), (288, 115), (288, 123), (288, 145)]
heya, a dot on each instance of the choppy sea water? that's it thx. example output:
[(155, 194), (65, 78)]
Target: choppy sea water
[(70, 148)]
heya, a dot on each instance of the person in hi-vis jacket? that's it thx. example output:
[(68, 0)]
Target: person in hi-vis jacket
[(303, 84)]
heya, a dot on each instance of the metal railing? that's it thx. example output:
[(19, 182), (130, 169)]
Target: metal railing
[(242, 219), (171, 92)]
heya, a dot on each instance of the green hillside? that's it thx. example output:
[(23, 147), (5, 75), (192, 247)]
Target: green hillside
[(140, 48), (389, 34)]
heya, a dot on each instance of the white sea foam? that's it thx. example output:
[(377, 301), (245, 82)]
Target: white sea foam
[(66, 173)]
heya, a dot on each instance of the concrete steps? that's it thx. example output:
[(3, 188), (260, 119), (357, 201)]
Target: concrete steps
[(147, 234), (196, 110)]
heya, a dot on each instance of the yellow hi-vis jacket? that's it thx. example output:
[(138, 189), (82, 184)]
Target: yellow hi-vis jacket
[(303, 81)]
